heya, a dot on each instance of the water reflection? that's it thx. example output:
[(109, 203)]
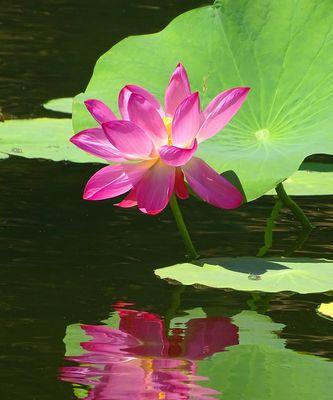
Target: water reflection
[(141, 359), (135, 356)]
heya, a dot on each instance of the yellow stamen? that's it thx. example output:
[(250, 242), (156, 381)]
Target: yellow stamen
[(168, 126)]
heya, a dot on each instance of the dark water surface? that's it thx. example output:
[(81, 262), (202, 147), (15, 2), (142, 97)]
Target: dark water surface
[(65, 261)]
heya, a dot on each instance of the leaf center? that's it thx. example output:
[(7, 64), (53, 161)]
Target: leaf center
[(263, 134)]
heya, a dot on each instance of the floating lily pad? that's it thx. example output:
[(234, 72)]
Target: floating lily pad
[(41, 138), (282, 49), (326, 310), (313, 179), (261, 368), (3, 156), (63, 105), (255, 274)]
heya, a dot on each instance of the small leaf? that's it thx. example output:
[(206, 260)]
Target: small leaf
[(326, 310), (63, 105), (41, 138), (255, 274), (313, 179)]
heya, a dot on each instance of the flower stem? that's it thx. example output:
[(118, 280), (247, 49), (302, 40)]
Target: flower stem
[(293, 207), (191, 252)]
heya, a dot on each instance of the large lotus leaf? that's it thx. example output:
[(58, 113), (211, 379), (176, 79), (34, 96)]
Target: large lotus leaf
[(312, 179), (265, 370), (63, 105), (255, 274), (282, 49), (40, 138)]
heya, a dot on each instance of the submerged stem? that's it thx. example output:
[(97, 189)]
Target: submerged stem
[(191, 252), (269, 228), (293, 207)]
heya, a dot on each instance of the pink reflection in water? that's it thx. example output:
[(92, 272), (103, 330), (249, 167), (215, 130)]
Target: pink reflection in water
[(139, 361)]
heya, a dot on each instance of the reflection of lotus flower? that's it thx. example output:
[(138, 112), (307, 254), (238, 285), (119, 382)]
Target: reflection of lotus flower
[(138, 361), (162, 144)]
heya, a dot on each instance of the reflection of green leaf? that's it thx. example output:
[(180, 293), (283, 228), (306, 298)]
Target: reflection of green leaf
[(80, 392), (180, 321), (326, 310), (76, 335), (282, 49), (263, 369), (113, 320), (63, 105), (250, 273), (41, 138), (255, 328), (312, 179)]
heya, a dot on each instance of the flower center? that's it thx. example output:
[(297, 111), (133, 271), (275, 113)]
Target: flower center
[(168, 127)]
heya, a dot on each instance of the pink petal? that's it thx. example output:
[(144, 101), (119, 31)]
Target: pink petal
[(143, 114), (114, 180), (175, 156), (155, 188), (95, 142), (130, 140), (129, 200), (210, 186), (180, 186), (187, 121), (127, 91), (100, 111), (220, 111), (177, 91)]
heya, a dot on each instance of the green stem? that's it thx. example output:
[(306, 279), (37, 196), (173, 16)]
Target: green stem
[(293, 207), (269, 228), (191, 252), (172, 310)]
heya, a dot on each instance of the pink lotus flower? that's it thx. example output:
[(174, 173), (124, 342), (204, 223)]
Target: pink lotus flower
[(138, 360), (154, 149)]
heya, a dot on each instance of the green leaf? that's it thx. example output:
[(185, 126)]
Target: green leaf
[(264, 369), (282, 49), (326, 310), (255, 274), (41, 138), (312, 179), (63, 105)]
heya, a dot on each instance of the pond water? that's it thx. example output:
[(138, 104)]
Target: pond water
[(66, 262)]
